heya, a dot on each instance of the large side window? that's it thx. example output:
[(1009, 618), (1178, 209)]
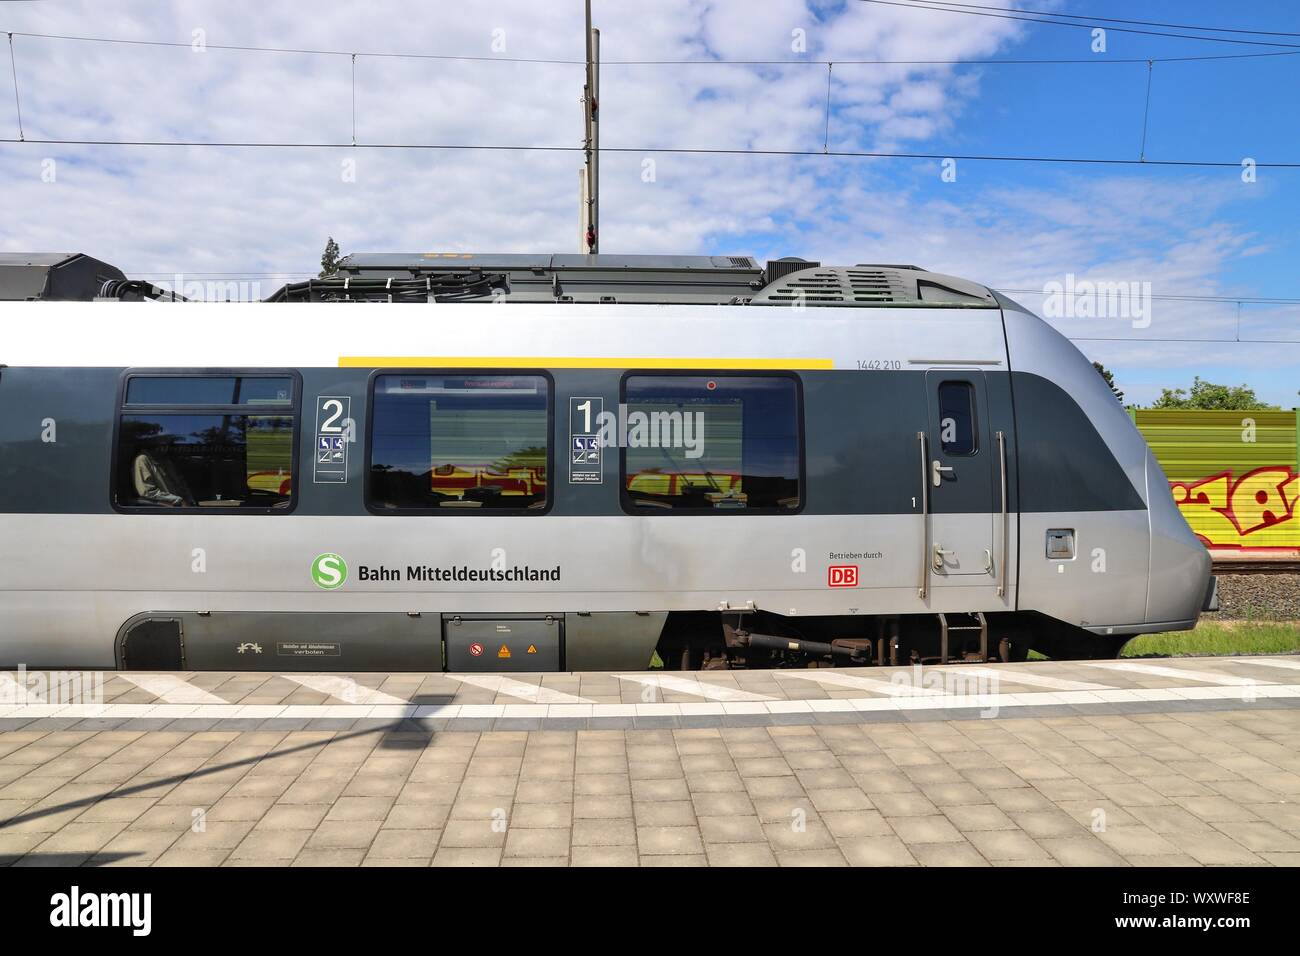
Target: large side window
[(459, 442), (207, 441), (712, 443)]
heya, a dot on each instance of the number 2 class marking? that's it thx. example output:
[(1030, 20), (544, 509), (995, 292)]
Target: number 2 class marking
[(329, 426)]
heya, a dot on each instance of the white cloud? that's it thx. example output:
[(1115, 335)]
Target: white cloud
[(160, 211)]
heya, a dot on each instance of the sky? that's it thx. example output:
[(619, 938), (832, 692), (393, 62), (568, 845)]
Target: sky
[(1190, 242)]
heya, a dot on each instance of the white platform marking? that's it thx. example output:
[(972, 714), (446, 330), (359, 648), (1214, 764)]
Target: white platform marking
[(172, 690), (833, 678), (1291, 665), (1205, 677), (698, 688), (344, 688), (1024, 677), (517, 688)]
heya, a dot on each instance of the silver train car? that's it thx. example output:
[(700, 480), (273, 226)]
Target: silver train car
[(568, 463)]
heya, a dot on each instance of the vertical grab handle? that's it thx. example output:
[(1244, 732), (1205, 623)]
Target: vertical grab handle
[(924, 586), (1002, 563)]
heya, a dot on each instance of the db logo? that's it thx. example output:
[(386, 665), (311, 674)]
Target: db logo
[(476, 649), (842, 576)]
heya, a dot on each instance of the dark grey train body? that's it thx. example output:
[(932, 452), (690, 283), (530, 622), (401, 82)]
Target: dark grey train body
[(865, 521)]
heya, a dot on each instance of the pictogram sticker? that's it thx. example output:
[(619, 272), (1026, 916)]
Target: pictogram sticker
[(476, 649), (532, 648), (504, 652), (584, 440)]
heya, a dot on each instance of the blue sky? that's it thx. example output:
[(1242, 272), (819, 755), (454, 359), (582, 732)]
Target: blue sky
[(1187, 232)]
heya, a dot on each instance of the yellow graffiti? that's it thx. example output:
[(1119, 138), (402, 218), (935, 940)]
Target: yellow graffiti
[(1227, 512)]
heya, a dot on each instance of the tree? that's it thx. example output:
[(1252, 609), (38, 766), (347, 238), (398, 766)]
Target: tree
[(1207, 395), (329, 260), (1110, 380)]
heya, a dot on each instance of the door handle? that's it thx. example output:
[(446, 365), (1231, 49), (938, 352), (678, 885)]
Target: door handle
[(939, 555), (937, 471)]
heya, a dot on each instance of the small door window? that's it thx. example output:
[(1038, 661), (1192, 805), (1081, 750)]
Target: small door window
[(957, 418)]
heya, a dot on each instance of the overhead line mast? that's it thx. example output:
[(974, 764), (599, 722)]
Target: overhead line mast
[(589, 217)]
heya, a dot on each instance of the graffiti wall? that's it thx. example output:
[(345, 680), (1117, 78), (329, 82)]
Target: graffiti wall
[(1234, 475)]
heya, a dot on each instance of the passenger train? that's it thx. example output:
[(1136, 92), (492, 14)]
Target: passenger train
[(551, 462)]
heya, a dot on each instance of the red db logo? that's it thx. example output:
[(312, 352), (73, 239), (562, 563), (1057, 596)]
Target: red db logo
[(842, 576)]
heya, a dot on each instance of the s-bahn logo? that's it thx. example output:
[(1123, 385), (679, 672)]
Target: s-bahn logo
[(329, 571), (842, 576)]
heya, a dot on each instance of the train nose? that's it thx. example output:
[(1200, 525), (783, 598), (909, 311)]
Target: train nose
[(1180, 581)]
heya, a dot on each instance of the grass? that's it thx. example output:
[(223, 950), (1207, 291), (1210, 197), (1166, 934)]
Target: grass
[(1226, 638), (1214, 639)]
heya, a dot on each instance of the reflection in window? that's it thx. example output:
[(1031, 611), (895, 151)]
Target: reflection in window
[(459, 442), (957, 418), (205, 461), (722, 443)]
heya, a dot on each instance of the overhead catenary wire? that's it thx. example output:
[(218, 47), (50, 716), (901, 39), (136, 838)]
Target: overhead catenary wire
[(1146, 113), (18, 105), (1090, 17), (826, 142), (554, 61), (1011, 13), (675, 150)]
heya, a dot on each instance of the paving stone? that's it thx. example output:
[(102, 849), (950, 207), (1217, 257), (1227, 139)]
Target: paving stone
[(467, 856), (664, 813), (995, 845), (541, 841), (652, 840), (877, 851), (811, 857), (605, 856), (946, 854), (391, 844), (731, 829), (604, 832), (980, 816), (271, 845), (928, 829)]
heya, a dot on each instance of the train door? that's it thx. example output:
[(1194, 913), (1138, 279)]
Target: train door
[(960, 472)]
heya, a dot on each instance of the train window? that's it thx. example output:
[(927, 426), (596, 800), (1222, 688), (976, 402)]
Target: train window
[(712, 443), (957, 418), (210, 442), (457, 442), (209, 390)]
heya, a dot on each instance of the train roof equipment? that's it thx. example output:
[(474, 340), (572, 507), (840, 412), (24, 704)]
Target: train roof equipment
[(537, 278)]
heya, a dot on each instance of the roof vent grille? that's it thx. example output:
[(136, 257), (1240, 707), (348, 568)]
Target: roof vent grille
[(844, 286)]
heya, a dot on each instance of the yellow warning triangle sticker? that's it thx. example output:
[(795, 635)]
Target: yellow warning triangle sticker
[(504, 652), (532, 648)]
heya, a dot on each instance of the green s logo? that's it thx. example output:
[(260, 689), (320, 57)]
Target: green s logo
[(329, 571)]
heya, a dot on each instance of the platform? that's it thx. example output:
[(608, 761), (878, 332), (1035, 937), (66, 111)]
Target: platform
[(1190, 761)]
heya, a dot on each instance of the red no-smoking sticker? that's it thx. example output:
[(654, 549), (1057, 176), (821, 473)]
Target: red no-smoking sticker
[(476, 649), (842, 576)]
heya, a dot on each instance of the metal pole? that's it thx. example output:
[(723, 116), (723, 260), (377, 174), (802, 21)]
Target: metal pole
[(590, 219), (595, 141), (582, 210)]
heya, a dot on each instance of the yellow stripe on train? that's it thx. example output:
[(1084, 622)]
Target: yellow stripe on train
[(570, 361)]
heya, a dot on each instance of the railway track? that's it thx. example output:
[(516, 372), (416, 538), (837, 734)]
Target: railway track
[(1256, 567)]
